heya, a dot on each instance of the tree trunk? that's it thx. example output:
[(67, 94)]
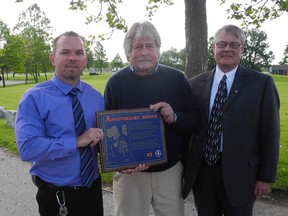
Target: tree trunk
[(7, 74), (45, 75), (196, 37), (36, 74), (3, 77)]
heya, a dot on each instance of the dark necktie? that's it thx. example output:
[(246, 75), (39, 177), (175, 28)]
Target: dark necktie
[(212, 147), (86, 158)]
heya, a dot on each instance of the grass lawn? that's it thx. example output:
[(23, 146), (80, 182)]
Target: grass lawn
[(10, 97)]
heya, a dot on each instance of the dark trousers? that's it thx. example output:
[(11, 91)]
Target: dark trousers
[(210, 196), (79, 202)]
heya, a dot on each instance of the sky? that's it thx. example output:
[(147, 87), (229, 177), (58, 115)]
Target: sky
[(169, 21)]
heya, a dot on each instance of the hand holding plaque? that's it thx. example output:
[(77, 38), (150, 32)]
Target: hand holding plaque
[(131, 137)]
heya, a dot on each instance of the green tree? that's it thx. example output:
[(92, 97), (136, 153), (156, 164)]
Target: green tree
[(173, 58), (284, 60), (211, 59), (13, 55), (37, 61), (100, 59), (90, 58), (34, 17), (34, 27), (4, 34), (117, 62), (4, 31), (256, 54), (256, 12)]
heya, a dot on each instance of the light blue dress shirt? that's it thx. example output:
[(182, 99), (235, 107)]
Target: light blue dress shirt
[(217, 78), (45, 130)]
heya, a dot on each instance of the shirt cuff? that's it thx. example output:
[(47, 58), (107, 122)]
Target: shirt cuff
[(69, 146)]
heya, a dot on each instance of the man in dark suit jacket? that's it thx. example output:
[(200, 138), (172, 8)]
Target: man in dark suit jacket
[(249, 138)]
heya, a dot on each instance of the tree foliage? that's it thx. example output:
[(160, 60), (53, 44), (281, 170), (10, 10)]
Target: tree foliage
[(256, 54), (256, 12), (173, 58), (38, 50), (4, 31), (102, 10), (117, 62), (284, 60), (34, 27), (4, 34), (107, 11), (89, 63), (14, 54), (36, 18), (99, 57), (211, 59)]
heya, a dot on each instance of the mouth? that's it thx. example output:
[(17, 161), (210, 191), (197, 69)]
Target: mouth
[(71, 66), (144, 60), (226, 56)]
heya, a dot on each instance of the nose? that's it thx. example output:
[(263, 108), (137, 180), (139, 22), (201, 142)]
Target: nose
[(228, 47), (144, 51), (72, 57)]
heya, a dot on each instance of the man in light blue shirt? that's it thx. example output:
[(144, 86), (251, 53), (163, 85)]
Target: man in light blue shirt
[(46, 134)]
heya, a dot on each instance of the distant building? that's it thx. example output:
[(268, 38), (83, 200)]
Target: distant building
[(279, 69)]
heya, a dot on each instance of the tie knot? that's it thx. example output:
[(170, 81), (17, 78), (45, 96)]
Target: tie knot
[(222, 83), (73, 91)]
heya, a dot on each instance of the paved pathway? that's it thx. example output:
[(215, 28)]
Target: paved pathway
[(17, 193), (12, 82)]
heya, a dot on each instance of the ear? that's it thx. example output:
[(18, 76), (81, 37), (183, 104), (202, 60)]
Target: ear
[(51, 57)]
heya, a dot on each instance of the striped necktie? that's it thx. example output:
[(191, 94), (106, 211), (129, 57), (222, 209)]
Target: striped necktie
[(212, 147), (86, 158)]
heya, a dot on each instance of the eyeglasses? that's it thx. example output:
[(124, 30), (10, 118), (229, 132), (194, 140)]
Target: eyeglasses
[(233, 45)]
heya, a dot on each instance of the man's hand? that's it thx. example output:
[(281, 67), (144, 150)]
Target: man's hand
[(165, 110), (139, 168), (261, 188), (90, 137)]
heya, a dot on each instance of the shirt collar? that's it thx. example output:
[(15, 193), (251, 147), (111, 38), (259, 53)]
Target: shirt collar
[(230, 74), (64, 87), (151, 72)]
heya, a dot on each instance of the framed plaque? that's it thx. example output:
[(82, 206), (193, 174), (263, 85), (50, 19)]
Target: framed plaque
[(131, 137)]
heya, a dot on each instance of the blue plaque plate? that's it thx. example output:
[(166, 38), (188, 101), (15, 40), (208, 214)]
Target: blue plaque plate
[(131, 137)]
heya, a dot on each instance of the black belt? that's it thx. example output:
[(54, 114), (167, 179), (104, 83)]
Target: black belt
[(41, 184)]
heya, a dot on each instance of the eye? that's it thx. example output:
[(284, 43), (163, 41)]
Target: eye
[(64, 52), (221, 45), (234, 45), (80, 53)]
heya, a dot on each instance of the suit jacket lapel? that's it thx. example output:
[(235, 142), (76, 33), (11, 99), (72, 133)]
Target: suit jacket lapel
[(206, 86), (240, 80)]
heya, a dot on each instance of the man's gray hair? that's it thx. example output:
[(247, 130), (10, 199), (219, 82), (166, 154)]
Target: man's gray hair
[(234, 30), (141, 30)]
